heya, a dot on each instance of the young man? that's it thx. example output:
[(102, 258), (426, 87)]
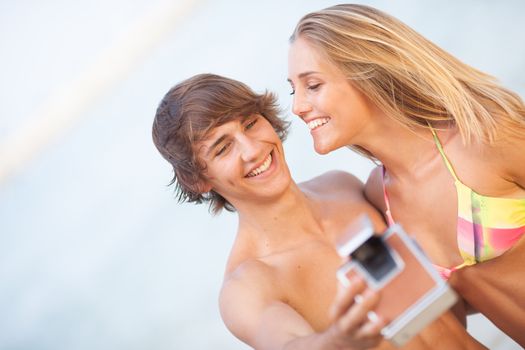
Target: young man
[(280, 290)]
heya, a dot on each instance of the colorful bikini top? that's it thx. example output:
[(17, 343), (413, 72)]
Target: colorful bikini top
[(486, 226)]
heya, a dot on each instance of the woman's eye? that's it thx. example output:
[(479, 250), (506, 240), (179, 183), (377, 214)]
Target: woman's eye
[(293, 92), (251, 124), (314, 87)]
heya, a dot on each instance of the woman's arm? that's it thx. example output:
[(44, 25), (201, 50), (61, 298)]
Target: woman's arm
[(496, 288)]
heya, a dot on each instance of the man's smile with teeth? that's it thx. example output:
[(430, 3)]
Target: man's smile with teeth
[(317, 123), (262, 168)]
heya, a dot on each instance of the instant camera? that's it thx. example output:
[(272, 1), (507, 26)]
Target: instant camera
[(413, 294)]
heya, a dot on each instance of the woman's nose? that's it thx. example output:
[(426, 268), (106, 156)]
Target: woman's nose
[(300, 106)]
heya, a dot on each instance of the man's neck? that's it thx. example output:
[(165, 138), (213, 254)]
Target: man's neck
[(281, 223)]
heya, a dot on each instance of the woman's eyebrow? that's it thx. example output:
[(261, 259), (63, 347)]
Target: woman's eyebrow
[(303, 75)]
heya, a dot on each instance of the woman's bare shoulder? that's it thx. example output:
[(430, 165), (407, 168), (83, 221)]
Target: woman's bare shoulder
[(510, 157)]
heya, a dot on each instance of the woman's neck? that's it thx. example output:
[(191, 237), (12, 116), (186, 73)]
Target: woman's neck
[(401, 150)]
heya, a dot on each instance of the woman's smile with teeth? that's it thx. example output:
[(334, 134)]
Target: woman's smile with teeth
[(317, 123), (261, 169)]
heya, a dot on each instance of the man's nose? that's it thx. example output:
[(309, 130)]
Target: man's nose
[(250, 148)]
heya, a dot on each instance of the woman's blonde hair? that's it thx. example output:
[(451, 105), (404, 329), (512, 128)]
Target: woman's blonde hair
[(408, 77)]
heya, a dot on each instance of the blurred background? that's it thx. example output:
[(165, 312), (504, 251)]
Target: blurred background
[(95, 252)]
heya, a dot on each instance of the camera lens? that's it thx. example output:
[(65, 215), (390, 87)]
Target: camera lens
[(374, 256)]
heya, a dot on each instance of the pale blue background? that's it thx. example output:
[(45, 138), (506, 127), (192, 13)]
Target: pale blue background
[(95, 253)]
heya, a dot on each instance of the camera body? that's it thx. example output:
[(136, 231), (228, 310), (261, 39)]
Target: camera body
[(413, 294)]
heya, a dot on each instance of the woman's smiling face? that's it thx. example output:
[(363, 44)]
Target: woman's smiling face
[(336, 112)]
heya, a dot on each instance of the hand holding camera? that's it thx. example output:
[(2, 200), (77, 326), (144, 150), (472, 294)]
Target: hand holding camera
[(351, 327), (412, 291)]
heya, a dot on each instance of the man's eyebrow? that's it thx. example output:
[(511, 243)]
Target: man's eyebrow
[(215, 144), (303, 74)]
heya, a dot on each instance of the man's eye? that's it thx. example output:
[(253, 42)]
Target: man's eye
[(222, 149)]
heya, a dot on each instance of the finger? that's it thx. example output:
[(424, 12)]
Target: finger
[(369, 335), (357, 314), (368, 341), (346, 296), (371, 329)]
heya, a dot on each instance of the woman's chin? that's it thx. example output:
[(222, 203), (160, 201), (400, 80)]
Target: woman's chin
[(322, 149)]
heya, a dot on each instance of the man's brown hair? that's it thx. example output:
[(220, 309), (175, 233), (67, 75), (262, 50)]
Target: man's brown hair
[(188, 113)]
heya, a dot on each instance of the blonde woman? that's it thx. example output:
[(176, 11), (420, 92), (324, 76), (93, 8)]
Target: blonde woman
[(449, 138)]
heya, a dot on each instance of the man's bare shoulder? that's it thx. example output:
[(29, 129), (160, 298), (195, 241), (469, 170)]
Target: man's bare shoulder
[(374, 188), (335, 182), (252, 276), (248, 270), (343, 192), (246, 291)]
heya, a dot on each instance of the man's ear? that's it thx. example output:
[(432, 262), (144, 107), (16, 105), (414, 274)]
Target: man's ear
[(202, 187)]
